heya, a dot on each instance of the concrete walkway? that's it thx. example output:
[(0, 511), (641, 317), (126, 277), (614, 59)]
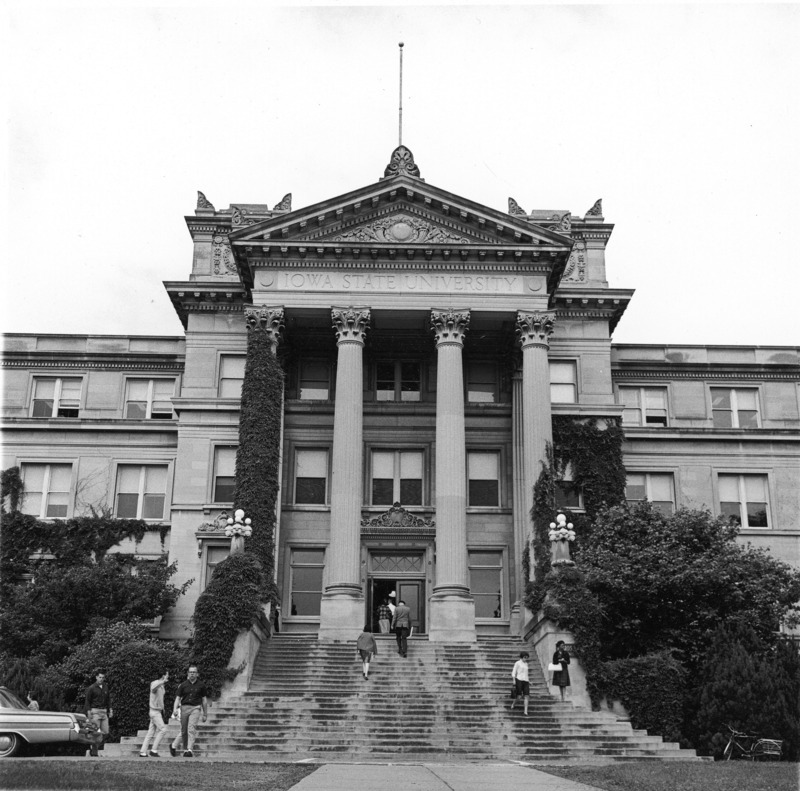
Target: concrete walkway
[(434, 777)]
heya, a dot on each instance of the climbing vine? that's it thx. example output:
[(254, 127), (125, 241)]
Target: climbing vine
[(258, 454)]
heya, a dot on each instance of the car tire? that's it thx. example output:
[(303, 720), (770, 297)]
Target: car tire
[(10, 744)]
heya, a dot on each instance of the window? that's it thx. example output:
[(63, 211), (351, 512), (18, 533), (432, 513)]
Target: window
[(482, 383), (314, 380), (484, 479), (224, 472), (141, 491), (657, 487), (486, 582), (563, 382), (744, 499), (46, 489), (734, 408), (306, 585), (567, 496), (149, 399), (311, 477), (396, 477), (231, 375), (644, 406), (215, 554), (56, 397), (397, 381)]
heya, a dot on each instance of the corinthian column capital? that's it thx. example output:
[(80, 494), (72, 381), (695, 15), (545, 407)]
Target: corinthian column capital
[(450, 326), (535, 329), (351, 324), (270, 320)]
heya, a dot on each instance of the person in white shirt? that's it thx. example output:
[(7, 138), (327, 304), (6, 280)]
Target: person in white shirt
[(521, 682), (157, 725)]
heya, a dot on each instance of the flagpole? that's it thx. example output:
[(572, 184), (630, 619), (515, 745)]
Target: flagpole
[(400, 129)]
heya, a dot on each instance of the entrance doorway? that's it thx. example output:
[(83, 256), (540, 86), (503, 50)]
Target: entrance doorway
[(411, 591)]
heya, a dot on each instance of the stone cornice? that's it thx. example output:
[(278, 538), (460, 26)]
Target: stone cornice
[(683, 433), (710, 372), (36, 360), (94, 424), (200, 296)]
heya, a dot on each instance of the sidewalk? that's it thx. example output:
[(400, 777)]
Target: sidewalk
[(434, 777)]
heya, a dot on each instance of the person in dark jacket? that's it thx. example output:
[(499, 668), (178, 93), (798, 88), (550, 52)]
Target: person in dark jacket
[(561, 677), (367, 648), (402, 627), (97, 708)]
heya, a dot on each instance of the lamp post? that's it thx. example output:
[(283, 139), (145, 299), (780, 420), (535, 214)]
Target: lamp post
[(238, 528), (561, 533)]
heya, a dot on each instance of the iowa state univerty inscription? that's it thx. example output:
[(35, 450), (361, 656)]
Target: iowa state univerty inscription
[(399, 282)]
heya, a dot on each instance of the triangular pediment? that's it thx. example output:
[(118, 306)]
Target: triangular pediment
[(402, 211)]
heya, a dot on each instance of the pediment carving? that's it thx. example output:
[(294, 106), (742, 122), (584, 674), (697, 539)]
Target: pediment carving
[(400, 229), (575, 270), (397, 516)]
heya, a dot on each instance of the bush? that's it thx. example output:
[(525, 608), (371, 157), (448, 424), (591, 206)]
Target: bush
[(131, 659), (651, 688), (229, 604), (749, 686)]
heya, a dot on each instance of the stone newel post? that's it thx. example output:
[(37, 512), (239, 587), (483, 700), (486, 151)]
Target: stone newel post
[(452, 607), (342, 609)]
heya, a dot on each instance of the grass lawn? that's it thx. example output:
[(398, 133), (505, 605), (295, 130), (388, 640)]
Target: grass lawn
[(684, 776), (149, 775)]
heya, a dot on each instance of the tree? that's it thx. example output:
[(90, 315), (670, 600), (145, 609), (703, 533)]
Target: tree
[(667, 582), (65, 605), (747, 685)]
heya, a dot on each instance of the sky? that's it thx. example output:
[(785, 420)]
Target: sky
[(683, 118)]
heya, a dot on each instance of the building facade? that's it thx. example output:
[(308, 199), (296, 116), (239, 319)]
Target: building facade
[(427, 342)]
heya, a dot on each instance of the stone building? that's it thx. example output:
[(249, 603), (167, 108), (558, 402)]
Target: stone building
[(427, 341)]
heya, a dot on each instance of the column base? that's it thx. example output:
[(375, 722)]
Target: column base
[(452, 617), (342, 614), (516, 624)]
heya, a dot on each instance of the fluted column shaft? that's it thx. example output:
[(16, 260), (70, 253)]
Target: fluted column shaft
[(343, 599), (534, 331), (520, 515), (452, 607)]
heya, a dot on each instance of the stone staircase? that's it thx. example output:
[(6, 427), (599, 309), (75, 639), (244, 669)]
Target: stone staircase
[(308, 700)]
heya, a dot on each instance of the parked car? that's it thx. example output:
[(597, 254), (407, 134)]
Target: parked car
[(20, 726)]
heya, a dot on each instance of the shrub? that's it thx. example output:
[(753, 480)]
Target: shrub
[(131, 659), (650, 687), (229, 604)]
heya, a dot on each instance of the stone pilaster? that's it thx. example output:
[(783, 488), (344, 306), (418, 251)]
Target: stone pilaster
[(342, 610), (520, 515), (452, 612), (534, 331)]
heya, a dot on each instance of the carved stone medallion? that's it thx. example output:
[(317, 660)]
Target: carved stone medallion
[(400, 229), (575, 271), (222, 256)]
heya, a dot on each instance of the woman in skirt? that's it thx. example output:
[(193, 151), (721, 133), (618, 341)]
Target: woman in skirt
[(561, 677)]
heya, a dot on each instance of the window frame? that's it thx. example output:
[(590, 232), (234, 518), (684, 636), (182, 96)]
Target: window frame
[(502, 552), (150, 392), (398, 381), (220, 364), (290, 589), (498, 454), (296, 451), (319, 361), (743, 494), (734, 410), (642, 408), (648, 488), (45, 493), (567, 477), (573, 361), (213, 483), (495, 393), (396, 479), (57, 395), (167, 465), (207, 545)]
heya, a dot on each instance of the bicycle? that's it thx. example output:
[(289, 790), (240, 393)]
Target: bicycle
[(751, 748)]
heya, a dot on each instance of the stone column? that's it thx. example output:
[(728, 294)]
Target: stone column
[(520, 515), (342, 610), (452, 608), (534, 331)]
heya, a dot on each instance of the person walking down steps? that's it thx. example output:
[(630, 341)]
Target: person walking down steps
[(366, 647), (521, 681), (561, 677)]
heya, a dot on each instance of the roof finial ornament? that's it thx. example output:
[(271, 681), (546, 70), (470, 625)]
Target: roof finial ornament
[(203, 202), (285, 204), (597, 209), (515, 210)]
